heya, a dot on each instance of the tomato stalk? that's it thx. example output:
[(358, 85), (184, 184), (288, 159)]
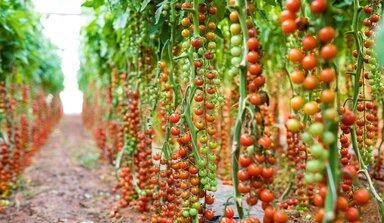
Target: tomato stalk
[(241, 8), (360, 60)]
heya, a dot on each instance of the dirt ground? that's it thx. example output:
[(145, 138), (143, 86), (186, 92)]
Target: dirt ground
[(65, 183)]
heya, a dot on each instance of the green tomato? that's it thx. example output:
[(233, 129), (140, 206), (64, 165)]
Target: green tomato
[(212, 167), (236, 51), (213, 188), (236, 40), (307, 138), (318, 177), (202, 173), (212, 175), (193, 212), (212, 157), (204, 149), (315, 166), (317, 151), (204, 180), (235, 61), (309, 178), (328, 137), (202, 162), (185, 213), (316, 129)]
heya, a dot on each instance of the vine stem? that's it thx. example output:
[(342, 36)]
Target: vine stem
[(360, 60), (241, 8)]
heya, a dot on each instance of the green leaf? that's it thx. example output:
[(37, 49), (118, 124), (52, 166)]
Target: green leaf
[(93, 3), (158, 14), (144, 4)]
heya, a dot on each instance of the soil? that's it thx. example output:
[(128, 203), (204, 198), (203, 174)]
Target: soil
[(64, 183)]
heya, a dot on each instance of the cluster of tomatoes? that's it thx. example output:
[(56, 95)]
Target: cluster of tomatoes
[(26, 119), (165, 116)]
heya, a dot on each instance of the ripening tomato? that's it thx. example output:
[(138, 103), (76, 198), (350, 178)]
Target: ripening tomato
[(280, 217), (254, 98), (289, 26), (309, 62), (293, 5), (245, 160), (297, 103), (352, 214), (174, 118), (361, 196), (319, 6), (254, 170), (348, 118), (328, 52), (266, 195), (246, 140), (310, 82), (327, 75), (297, 77), (253, 43), (326, 34), (327, 96), (286, 15), (295, 55), (229, 212), (341, 204), (309, 43)]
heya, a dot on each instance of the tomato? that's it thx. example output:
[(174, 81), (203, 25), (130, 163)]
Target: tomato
[(319, 6), (297, 77), (348, 118), (319, 215), (328, 52), (297, 103), (254, 98), (246, 140), (229, 212), (287, 15), (310, 82), (326, 34), (243, 188), (243, 175), (186, 22), (255, 69), (267, 172), (341, 204), (253, 43), (252, 57), (280, 217), (352, 214), (318, 200), (293, 5), (245, 160), (234, 16), (327, 75), (295, 55), (293, 125), (266, 195), (175, 131), (361, 196), (174, 118), (309, 62), (209, 214), (196, 42), (254, 170), (265, 142), (309, 43), (289, 26), (209, 199), (327, 96)]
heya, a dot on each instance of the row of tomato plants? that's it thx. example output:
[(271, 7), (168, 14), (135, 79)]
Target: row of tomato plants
[(30, 82), (180, 94)]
